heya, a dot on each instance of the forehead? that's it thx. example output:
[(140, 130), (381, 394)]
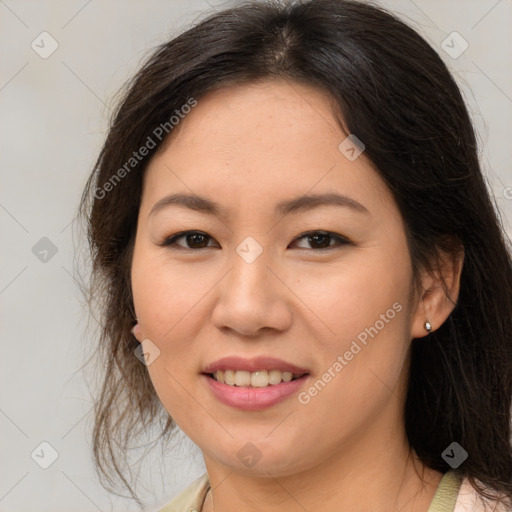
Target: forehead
[(275, 111), (271, 139)]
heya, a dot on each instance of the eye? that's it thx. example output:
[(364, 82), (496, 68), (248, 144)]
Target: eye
[(321, 240), (193, 239)]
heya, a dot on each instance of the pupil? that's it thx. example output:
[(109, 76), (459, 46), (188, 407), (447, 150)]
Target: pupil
[(196, 239), (199, 239), (324, 237)]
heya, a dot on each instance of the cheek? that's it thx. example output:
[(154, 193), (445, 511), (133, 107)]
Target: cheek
[(164, 298), (165, 294), (171, 304), (363, 311), (335, 302), (339, 308), (351, 295)]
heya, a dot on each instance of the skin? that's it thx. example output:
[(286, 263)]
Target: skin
[(248, 148)]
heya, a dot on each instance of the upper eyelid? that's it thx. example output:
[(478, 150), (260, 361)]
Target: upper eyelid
[(342, 239)]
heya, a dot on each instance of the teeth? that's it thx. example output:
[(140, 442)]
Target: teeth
[(274, 377), (242, 378), (260, 379)]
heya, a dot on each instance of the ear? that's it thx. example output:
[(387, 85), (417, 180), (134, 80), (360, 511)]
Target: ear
[(439, 291)]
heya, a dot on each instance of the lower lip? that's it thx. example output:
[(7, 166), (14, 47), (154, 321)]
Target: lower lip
[(254, 399)]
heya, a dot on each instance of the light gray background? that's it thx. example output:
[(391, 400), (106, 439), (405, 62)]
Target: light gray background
[(54, 118)]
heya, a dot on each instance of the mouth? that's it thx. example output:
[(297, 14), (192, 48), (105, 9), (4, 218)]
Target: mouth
[(256, 379), (254, 384), (258, 372)]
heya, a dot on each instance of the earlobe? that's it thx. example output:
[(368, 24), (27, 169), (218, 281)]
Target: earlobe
[(440, 294), (422, 324), (135, 330)]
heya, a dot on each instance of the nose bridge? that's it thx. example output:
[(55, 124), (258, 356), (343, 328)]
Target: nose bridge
[(249, 279), (250, 297)]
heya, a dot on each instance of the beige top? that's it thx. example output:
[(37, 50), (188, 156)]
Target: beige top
[(453, 494)]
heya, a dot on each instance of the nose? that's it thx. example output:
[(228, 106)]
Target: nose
[(252, 298)]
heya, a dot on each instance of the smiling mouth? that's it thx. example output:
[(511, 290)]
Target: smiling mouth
[(258, 379)]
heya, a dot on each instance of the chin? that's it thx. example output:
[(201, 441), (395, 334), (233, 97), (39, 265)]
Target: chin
[(261, 459)]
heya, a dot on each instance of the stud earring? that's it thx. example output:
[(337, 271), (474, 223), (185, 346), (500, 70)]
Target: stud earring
[(428, 326)]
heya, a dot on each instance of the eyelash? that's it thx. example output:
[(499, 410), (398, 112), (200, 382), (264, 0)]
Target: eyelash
[(170, 242)]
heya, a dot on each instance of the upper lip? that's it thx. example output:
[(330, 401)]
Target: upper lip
[(253, 365)]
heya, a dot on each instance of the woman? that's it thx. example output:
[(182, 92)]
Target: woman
[(290, 229)]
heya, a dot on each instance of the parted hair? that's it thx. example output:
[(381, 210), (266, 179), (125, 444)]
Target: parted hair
[(390, 88)]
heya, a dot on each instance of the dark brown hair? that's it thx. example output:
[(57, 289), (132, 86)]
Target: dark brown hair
[(395, 93)]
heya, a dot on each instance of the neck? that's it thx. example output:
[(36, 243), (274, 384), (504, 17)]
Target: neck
[(378, 476)]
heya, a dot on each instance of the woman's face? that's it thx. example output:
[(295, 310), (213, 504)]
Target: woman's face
[(321, 284)]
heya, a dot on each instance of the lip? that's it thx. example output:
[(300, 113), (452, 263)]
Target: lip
[(254, 365), (254, 399)]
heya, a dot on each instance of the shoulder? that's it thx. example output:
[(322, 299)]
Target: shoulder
[(456, 494), (191, 498), (469, 500)]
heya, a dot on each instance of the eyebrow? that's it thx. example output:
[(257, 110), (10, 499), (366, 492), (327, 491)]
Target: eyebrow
[(298, 204)]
